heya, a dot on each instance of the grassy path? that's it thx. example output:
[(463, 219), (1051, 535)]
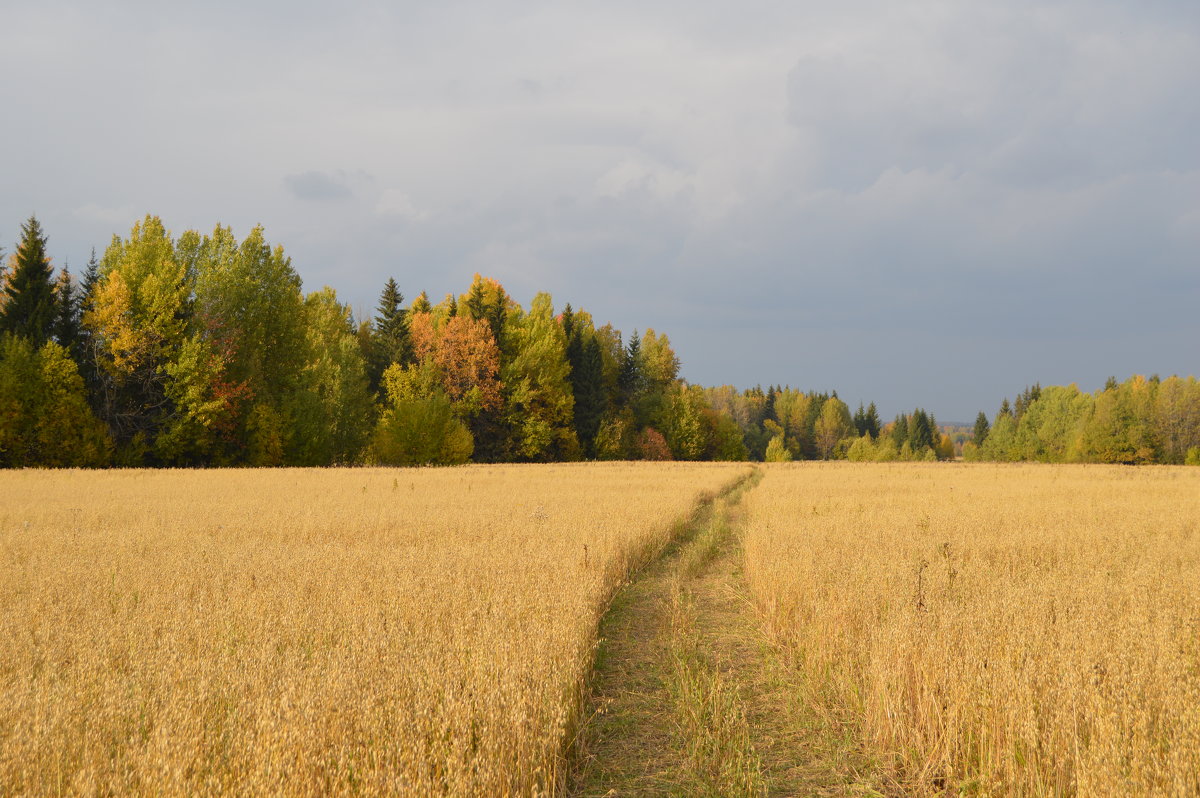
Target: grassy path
[(688, 698)]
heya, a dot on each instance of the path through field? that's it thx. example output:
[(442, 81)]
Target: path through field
[(689, 699)]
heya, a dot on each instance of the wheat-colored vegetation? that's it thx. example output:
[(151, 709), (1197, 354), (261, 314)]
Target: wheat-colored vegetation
[(409, 632), (993, 630)]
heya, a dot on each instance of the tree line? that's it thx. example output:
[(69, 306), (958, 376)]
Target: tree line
[(202, 350), (1140, 420)]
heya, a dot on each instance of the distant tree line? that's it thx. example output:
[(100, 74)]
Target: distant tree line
[(1137, 421), (202, 350)]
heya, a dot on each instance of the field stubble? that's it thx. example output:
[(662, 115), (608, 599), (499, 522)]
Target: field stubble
[(1012, 630), (375, 631)]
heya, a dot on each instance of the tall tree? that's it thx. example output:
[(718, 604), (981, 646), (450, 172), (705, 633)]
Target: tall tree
[(65, 328), (29, 310), (389, 335), (591, 399), (920, 432), (981, 429), (139, 317), (872, 421), (630, 380), (833, 425), (539, 404)]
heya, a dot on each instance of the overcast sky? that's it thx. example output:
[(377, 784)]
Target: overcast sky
[(920, 203)]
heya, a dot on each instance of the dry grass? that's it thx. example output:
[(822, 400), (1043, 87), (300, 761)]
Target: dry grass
[(312, 632), (993, 630)]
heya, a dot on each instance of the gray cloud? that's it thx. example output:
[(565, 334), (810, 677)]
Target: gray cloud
[(317, 186), (931, 202)]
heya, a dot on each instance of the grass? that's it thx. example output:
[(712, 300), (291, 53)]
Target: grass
[(357, 631), (991, 630)]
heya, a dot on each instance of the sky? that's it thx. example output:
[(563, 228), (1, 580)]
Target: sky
[(925, 203)]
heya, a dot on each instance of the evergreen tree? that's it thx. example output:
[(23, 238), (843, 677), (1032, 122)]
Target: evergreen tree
[(91, 276), (630, 380), (920, 433), (981, 429), (389, 335), (65, 328), (567, 319), (421, 304), (590, 396), (86, 345), (1005, 410), (872, 421), (29, 311), (860, 420), (900, 430)]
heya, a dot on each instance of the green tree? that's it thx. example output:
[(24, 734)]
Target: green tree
[(45, 419), (65, 327), (833, 425), (139, 317), (920, 432), (29, 309), (389, 334), (777, 452), (587, 379), (981, 429), (900, 430), (333, 408), (872, 421), (686, 433), (539, 405), (419, 425), (249, 345)]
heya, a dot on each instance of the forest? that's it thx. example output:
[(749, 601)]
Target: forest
[(202, 350)]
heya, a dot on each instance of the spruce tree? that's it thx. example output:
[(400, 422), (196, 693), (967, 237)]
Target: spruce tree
[(29, 311), (860, 420), (900, 430), (920, 434), (568, 326), (389, 335), (86, 345), (629, 379), (982, 428), (421, 304), (590, 396), (872, 421), (65, 328)]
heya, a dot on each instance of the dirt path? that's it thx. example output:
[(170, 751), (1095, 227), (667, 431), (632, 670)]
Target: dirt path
[(689, 699)]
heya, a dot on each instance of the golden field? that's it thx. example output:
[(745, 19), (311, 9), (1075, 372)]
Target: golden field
[(992, 630), (308, 632)]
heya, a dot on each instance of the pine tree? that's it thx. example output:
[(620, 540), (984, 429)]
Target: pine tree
[(421, 304), (29, 311), (1005, 410), (982, 428), (920, 433), (860, 420)]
